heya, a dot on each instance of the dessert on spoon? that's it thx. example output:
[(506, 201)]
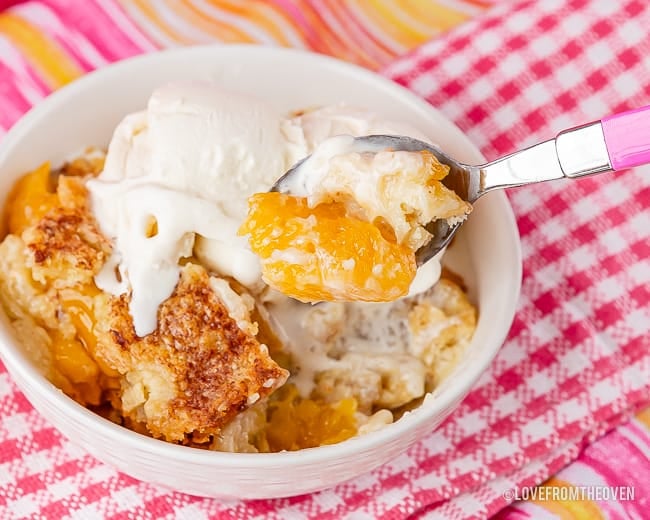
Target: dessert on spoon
[(354, 220)]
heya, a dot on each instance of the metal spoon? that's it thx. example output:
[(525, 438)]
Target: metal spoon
[(617, 142)]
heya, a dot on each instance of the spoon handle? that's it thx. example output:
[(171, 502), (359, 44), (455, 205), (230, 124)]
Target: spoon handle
[(575, 152), (616, 142), (627, 137)]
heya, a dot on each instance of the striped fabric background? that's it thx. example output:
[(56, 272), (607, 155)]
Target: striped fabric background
[(48, 43), (45, 44)]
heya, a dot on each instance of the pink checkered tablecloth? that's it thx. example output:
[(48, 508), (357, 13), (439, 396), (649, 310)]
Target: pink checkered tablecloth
[(577, 360)]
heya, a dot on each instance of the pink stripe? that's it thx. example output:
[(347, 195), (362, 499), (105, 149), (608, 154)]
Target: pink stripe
[(297, 17), (96, 26), (365, 39), (71, 51), (13, 104), (620, 463), (641, 430), (515, 512), (115, 11), (37, 81), (6, 4)]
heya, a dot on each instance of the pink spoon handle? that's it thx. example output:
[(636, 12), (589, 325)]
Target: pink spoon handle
[(627, 136)]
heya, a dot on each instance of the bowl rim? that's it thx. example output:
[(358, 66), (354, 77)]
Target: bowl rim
[(25, 373)]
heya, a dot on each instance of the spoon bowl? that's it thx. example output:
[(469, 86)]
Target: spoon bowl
[(461, 179)]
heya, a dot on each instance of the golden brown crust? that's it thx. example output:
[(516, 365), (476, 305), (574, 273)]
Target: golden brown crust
[(46, 278), (66, 244), (213, 369), (91, 163), (185, 381)]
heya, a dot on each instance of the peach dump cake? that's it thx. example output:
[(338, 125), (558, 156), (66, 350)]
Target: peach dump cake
[(130, 281)]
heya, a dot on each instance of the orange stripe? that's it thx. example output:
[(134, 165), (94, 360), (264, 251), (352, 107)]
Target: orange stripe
[(149, 12), (347, 49), (252, 12), (321, 38), (281, 13), (363, 56), (484, 4), (644, 417), (44, 54), (222, 31)]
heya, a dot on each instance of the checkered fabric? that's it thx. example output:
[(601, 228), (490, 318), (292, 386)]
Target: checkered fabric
[(577, 360)]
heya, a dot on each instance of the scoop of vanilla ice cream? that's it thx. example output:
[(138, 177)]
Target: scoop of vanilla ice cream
[(312, 127), (200, 140), (188, 163)]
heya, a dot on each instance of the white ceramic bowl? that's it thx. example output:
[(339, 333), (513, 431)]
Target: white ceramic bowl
[(487, 254)]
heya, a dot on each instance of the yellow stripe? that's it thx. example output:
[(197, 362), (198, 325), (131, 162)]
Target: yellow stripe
[(438, 16), (193, 16), (45, 55), (391, 25), (410, 23), (569, 509)]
